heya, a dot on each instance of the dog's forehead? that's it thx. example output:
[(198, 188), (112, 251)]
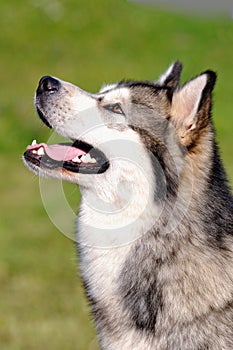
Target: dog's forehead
[(107, 87), (144, 93), (114, 93)]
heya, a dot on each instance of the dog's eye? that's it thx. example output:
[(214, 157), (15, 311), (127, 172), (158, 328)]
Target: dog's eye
[(115, 108)]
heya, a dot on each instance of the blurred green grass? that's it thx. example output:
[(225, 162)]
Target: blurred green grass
[(89, 43)]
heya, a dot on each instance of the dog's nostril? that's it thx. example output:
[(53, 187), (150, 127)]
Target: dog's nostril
[(48, 84)]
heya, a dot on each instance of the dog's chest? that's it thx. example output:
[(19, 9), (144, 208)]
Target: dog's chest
[(100, 269), (102, 273)]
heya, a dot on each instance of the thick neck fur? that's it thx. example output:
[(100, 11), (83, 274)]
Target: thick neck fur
[(173, 286), (212, 197)]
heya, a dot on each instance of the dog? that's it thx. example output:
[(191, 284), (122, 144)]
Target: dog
[(155, 224)]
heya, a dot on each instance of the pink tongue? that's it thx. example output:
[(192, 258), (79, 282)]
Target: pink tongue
[(59, 152)]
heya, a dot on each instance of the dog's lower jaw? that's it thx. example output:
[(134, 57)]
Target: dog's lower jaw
[(57, 173)]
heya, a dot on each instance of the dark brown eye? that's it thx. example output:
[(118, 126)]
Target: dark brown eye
[(115, 108)]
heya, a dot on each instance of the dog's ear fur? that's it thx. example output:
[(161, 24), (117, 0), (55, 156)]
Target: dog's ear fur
[(171, 77), (191, 106)]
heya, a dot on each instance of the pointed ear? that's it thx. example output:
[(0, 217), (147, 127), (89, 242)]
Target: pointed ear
[(191, 106), (171, 77)]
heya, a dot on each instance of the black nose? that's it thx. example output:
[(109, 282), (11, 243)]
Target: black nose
[(48, 84)]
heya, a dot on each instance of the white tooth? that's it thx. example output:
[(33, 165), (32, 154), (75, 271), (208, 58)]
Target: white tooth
[(40, 151), (34, 142), (34, 151), (76, 159), (87, 158), (83, 158)]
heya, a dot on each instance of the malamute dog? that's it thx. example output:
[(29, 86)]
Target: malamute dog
[(155, 225)]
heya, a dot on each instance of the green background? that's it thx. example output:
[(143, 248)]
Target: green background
[(89, 43)]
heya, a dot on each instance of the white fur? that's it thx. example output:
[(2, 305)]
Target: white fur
[(107, 87), (116, 95), (165, 75)]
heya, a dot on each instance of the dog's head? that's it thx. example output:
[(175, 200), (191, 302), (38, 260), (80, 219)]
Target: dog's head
[(120, 127)]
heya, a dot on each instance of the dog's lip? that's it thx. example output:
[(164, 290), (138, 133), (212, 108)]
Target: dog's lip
[(43, 118)]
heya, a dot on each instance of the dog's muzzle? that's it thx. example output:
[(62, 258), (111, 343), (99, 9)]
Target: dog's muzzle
[(77, 156)]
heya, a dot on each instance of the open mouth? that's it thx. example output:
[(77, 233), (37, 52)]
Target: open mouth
[(77, 157)]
